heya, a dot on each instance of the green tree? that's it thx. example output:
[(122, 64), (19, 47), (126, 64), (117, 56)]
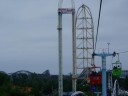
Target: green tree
[(4, 78)]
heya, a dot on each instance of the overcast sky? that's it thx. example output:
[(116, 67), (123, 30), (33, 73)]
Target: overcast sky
[(29, 36)]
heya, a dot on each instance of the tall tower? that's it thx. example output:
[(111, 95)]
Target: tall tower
[(61, 11), (84, 41)]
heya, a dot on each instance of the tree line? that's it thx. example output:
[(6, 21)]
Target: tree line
[(42, 84), (31, 85)]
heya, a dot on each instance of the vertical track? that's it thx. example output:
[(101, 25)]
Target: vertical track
[(62, 11), (84, 41), (110, 80), (74, 53), (60, 79), (115, 89)]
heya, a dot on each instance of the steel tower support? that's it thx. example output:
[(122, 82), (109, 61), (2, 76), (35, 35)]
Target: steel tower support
[(110, 80), (115, 91), (84, 41), (62, 11), (74, 53), (60, 78), (103, 55)]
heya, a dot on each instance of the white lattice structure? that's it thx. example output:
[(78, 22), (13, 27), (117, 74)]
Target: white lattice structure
[(84, 41)]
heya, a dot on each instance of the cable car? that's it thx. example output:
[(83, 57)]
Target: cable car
[(117, 69), (95, 77)]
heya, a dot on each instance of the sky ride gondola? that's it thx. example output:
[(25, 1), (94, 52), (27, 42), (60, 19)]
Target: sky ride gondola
[(95, 77), (117, 68)]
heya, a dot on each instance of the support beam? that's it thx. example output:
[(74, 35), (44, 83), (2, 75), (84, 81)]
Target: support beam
[(103, 56), (74, 52), (62, 11), (60, 53)]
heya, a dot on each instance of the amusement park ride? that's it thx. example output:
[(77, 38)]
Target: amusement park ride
[(83, 51), (117, 68)]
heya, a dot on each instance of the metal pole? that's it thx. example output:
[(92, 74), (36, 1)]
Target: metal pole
[(104, 55), (108, 47), (60, 53), (74, 52), (109, 80), (104, 75)]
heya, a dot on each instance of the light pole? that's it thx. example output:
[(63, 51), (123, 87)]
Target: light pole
[(108, 46)]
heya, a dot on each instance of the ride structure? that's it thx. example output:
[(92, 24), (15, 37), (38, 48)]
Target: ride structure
[(62, 11), (95, 77), (82, 49), (116, 90), (82, 41), (103, 55), (117, 68), (84, 28), (116, 73)]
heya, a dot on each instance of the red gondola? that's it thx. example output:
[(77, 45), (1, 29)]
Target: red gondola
[(95, 78)]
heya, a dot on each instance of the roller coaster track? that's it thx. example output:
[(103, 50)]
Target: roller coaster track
[(117, 91)]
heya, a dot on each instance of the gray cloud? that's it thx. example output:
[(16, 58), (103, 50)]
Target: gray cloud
[(29, 36)]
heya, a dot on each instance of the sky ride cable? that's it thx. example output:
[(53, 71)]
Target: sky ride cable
[(123, 52), (98, 24), (97, 30)]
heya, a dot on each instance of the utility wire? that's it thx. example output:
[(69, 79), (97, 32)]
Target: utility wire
[(98, 23), (123, 52)]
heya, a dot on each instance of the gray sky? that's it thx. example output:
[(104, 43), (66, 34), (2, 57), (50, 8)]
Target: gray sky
[(29, 36)]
